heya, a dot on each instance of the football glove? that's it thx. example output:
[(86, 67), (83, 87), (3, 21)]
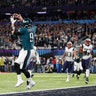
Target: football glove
[(12, 20)]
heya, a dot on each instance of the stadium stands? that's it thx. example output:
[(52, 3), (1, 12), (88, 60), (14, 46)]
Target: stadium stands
[(62, 21)]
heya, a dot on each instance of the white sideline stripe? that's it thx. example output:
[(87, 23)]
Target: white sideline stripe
[(47, 89)]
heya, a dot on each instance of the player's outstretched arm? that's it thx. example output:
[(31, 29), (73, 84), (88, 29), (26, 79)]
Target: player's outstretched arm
[(12, 24), (15, 17)]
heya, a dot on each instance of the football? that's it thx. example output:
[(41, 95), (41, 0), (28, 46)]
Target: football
[(15, 15)]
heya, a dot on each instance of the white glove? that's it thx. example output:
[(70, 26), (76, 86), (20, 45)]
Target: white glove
[(12, 20)]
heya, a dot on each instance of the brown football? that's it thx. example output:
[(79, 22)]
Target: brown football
[(15, 15)]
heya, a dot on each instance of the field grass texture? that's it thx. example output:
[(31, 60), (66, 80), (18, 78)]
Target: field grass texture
[(44, 81)]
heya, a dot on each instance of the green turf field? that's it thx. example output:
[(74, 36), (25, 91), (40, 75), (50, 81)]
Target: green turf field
[(43, 81)]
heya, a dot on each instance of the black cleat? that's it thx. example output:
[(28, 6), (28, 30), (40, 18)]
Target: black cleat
[(31, 77), (72, 75), (77, 77), (87, 80)]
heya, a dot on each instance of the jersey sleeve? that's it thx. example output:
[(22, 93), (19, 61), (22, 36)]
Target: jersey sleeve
[(35, 28)]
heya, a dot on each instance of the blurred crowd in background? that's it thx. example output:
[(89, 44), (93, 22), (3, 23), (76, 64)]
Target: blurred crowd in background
[(50, 35), (13, 3), (47, 65)]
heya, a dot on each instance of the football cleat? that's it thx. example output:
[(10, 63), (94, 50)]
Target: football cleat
[(67, 80), (77, 76), (19, 83), (28, 81), (87, 80), (72, 75), (30, 85)]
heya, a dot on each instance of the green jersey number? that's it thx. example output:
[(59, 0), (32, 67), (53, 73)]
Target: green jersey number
[(31, 37)]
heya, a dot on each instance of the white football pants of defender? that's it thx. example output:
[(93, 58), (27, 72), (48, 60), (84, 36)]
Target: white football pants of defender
[(77, 66)]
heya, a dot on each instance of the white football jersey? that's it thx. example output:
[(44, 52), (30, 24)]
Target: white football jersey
[(87, 51), (69, 54)]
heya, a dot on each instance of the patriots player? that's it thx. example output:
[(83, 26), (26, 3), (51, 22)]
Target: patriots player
[(68, 58), (87, 48), (26, 33)]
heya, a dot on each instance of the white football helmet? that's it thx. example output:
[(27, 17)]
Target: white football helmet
[(88, 41), (69, 44)]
